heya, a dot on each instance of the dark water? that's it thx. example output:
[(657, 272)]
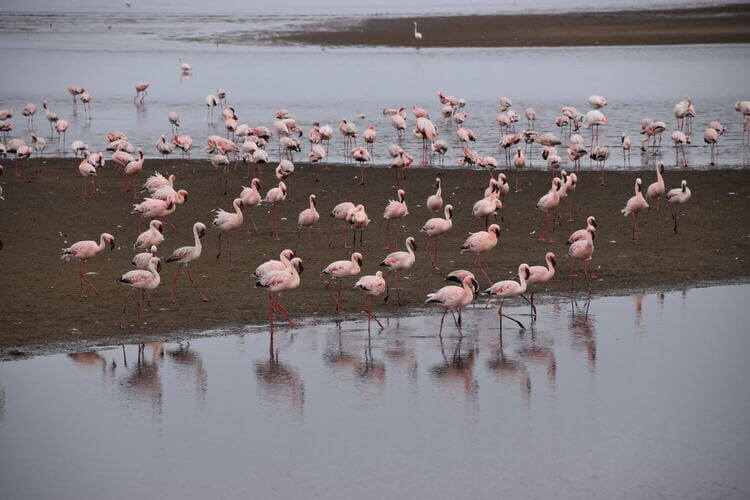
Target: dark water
[(641, 397)]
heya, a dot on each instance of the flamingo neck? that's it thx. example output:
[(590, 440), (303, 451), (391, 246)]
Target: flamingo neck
[(102, 244)]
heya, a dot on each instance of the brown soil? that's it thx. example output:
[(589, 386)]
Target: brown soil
[(39, 303), (715, 24)]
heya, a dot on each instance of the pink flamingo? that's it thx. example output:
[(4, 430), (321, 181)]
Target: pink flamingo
[(485, 207), (656, 190), (540, 274), (141, 260), (29, 110), (250, 197), (571, 182), (183, 143), (510, 288), (358, 220), (153, 236), (187, 254), (340, 212), (279, 281), (284, 263), (132, 168), (580, 234), (454, 298), (547, 204), (634, 205), (274, 196), (583, 249), (711, 137), (151, 208), (156, 180), (142, 280), (85, 250), (625, 144), (400, 261), (597, 101), (61, 127), (435, 201), (680, 139), (435, 228), (88, 171), (394, 211), (480, 242), (339, 270), (228, 221), (308, 218), (371, 286), (519, 161), (530, 117), (401, 162), (399, 123), (678, 196), (361, 156), (140, 90), (370, 135)]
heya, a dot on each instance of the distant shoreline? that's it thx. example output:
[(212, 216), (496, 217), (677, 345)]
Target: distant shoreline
[(698, 25)]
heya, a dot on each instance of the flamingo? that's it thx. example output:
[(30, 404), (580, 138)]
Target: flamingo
[(454, 298), (583, 249), (593, 120), (308, 218), (435, 228), (152, 237), (29, 110), (339, 270), (678, 196), (597, 101), (417, 34), (440, 147), (505, 103), (681, 110), (655, 190), (519, 161), (88, 171), (680, 139), (625, 144), (277, 282), (274, 196), (83, 251), (371, 286), (185, 66), (250, 197), (510, 288), (485, 207), (187, 254), (211, 102), (361, 156), (600, 154), (142, 280), (358, 220), (284, 263), (61, 127), (530, 117), (589, 231), (174, 121), (400, 261), (547, 204), (183, 143), (540, 274), (141, 260), (711, 137), (228, 221), (399, 123), (435, 201), (394, 211), (340, 212), (140, 90), (634, 205), (480, 242)]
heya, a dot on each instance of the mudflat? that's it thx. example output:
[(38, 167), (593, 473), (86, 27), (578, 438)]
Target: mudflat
[(40, 306), (711, 24)]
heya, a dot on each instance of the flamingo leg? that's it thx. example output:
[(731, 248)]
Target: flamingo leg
[(270, 311), (196, 286), (124, 306), (174, 283), (218, 246), (457, 323), (442, 319), (280, 307)]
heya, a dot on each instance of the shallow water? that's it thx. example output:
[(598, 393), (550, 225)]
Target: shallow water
[(633, 397), (327, 85)]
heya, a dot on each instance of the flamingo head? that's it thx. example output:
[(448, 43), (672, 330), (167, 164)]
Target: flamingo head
[(411, 243), (200, 229), (297, 263), (109, 239), (551, 258), (495, 229)]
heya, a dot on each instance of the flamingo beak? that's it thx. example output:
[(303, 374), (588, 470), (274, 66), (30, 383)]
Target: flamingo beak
[(112, 244)]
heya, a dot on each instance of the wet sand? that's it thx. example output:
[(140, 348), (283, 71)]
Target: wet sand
[(39, 297), (715, 24)]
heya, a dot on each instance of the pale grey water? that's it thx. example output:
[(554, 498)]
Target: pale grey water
[(643, 397), (327, 85)]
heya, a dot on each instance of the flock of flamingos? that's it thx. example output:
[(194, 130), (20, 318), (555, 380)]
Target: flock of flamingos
[(284, 274)]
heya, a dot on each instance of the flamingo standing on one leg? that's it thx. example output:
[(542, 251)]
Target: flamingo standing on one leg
[(85, 250), (284, 263), (435, 228), (142, 280), (339, 270), (655, 190), (634, 205), (393, 212), (228, 221), (435, 201), (540, 274), (510, 288), (678, 196), (481, 242), (371, 286), (187, 254), (400, 261), (454, 298), (274, 196), (88, 171), (250, 197), (308, 218), (277, 282), (547, 204)]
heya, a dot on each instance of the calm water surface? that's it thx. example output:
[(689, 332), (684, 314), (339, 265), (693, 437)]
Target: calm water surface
[(622, 397), (328, 85)]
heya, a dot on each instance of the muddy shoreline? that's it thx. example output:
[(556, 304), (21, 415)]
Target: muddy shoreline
[(41, 310), (700, 25)]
